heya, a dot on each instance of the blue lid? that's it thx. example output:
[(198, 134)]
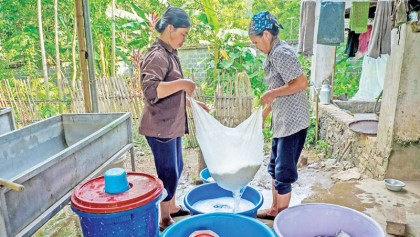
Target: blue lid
[(116, 181)]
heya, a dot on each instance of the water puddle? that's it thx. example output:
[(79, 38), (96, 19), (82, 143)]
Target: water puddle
[(344, 194)]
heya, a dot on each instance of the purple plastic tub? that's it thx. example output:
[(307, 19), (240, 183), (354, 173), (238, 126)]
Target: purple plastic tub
[(314, 219)]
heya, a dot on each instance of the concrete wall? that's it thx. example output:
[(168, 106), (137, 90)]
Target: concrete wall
[(399, 121), (192, 60), (359, 149), (395, 151)]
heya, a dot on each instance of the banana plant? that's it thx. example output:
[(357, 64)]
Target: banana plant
[(211, 20)]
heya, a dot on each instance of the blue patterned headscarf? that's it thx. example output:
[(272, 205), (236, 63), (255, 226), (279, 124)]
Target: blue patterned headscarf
[(263, 21)]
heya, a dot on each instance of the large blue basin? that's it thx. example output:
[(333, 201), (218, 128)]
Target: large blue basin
[(212, 190), (223, 224)]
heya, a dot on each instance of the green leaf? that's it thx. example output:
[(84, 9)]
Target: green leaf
[(122, 55), (139, 11), (201, 16), (211, 15), (68, 32)]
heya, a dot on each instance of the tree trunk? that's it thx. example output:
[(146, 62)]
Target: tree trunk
[(43, 55), (57, 57)]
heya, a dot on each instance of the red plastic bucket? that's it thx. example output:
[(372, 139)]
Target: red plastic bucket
[(134, 212)]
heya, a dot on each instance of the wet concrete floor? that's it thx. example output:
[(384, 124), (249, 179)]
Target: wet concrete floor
[(367, 195), (314, 185)]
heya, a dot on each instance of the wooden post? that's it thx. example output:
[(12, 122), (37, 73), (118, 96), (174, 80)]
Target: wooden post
[(91, 64), (82, 52), (333, 73), (316, 117)]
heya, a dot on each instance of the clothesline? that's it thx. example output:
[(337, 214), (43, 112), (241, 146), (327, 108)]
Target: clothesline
[(330, 30)]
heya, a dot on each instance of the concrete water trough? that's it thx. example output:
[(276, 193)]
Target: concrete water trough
[(7, 121), (49, 159)]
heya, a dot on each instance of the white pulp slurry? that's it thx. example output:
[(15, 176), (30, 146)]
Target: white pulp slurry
[(235, 180), (223, 204)]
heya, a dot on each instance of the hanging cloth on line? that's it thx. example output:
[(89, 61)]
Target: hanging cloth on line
[(307, 27), (380, 38), (232, 155), (359, 14), (371, 81), (331, 23), (352, 44), (364, 41)]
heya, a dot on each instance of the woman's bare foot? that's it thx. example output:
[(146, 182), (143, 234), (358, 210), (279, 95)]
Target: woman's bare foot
[(164, 223), (175, 209), (267, 214)]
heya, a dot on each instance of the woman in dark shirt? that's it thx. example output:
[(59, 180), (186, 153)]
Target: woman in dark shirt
[(164, 119)]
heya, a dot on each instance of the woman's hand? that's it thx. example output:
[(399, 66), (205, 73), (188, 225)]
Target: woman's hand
[(268, 97), (204, 106), (165, 89), (188, 86), (265, 113)]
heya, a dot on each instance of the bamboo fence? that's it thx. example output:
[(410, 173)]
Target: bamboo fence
[(233, 100), (22, 96)]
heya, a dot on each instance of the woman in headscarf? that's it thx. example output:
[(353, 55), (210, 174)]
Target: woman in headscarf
[(286, 99)]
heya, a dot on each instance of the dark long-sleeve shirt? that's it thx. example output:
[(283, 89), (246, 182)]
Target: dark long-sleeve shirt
[(164, 117)]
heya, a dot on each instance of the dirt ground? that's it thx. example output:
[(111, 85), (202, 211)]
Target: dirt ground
[(320, 180)]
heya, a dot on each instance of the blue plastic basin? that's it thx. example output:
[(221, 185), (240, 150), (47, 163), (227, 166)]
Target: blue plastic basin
[(212, 190), (325, 219), (223, 224), (205, 175)]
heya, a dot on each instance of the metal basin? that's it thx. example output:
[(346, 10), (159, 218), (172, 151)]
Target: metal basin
[(367, 127), (51, 157), (7, 121), (394, 184)]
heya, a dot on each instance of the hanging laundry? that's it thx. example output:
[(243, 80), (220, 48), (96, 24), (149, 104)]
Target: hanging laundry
[(352, 44), (359, 16), (372, 79), (399, 13), (380, 38), (307, 26), (364, 41), (331, 23)]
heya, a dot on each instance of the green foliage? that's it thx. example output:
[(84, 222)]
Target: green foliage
[(347, 73), (310, 135), (323, 147), (305, 62), (236, 55), (287, 12), (267, 132), (19, 37)]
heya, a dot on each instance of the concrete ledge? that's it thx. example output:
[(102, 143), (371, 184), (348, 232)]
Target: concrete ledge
[(358, 106)]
